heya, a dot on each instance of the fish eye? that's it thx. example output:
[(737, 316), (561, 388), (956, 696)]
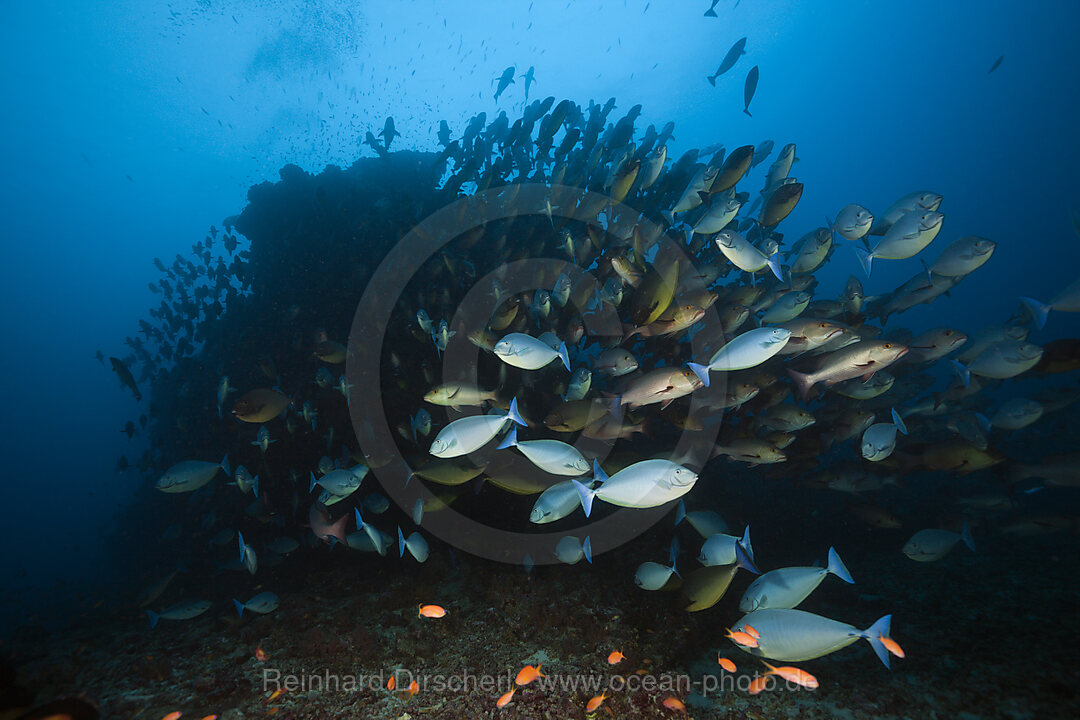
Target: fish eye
[(823, 325), (888, 345)]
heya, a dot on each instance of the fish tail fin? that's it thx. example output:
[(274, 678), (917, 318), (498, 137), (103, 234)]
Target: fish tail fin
[(710, 13), (711, 78), (225, 465), (587, 495), (774, 265), (1039, 311), (899, 422), (400, 542), (962, 372), (239, 607), (510, 440), (564, 355), (240, 537), (586, 547), (313, 483), (514, 415), (153, 617), (873, 635), (702, 371), (680, 512), (747, 111), (838, 568), (965, 535), (742, 559), (255, 485), (802, 381), (866, 259), (598, 472)]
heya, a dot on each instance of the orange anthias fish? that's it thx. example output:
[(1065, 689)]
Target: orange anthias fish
[(892, 646), (758, 684), (742, 638), (173, 715), (615, 657), (274, 695), (793, 674), (210, 717), (260, 654), (595, 702), (414, 687), (506, 697), (430, 611), (726, 664), (391, 683), (674, 703), (749, 630), (527, 674)]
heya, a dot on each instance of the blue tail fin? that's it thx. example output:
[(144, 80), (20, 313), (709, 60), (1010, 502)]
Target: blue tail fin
[(898, 421), (564, 356), (598, 472), (680, 512), (510, 440), (240, 536), (702, 371), (586, 547), (313, 483), (239, 607), (837, 567), (514, 415), (965, 535), (586, 495), (225, 465), (866, 259), (746, 544), (873, 635), (743, 560), (1039, 311), (400, 542), (962, 372), (774, 265), (154, 617)]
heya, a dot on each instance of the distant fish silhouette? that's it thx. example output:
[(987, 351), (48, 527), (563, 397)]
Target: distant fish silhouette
[(749, 89), (996, 65), (729, 60), (711, 12)]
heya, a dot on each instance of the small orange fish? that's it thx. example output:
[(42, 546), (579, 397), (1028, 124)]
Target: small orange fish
[(273, 710), (260, 654), (173, 715), (726, 664), (593, 704), (758, 684), (674, 703), (742, 638), (414, 687), (892, 646), (431, 611), (793, 674), (275, 695), (502, 701), (527, 674), (615, 657), (749, 630), (210, 717), (391, 683)]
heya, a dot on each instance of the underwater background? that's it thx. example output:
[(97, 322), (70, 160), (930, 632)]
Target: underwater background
[(139, 132)]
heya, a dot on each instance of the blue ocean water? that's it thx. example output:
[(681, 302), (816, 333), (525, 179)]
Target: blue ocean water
[(132, 127)]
